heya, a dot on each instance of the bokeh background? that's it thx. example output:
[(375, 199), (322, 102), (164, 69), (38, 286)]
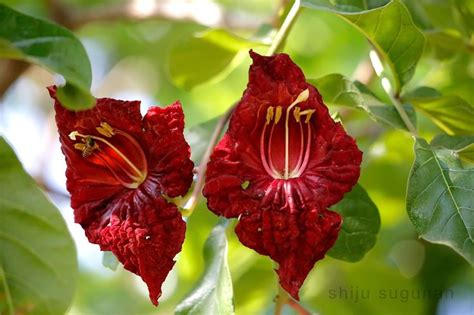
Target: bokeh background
[(131, 60)]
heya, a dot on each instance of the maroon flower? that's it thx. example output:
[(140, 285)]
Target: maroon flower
[(120, 169), (281, 164)]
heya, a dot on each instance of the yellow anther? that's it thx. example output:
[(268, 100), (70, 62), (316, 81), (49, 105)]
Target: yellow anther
[(308, 113), (79, 146), (297, 114), (302, 97), (270, 114), (105, 129), (278, 114)]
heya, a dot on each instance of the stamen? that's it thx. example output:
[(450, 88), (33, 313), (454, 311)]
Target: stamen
[(90, 144), (105, 129), (263, 158), (278, 114), (303, 96)]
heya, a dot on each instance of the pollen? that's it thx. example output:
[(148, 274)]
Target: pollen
[(270, 114)]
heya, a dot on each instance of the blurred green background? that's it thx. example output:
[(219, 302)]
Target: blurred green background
[(130, 60)]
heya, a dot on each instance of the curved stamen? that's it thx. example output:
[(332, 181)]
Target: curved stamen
[(263, 158), (303, 96), (116, 150)]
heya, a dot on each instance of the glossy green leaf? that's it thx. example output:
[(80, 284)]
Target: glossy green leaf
[(439, 199), (338, 90), (213, 293), (389, 28), (361, 223), (52, 47), (451, 113), (208, 55), (344, 6), (37, 255)]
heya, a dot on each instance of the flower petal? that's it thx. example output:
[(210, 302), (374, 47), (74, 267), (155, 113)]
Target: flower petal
[(169, 153), (145, 240), (294, 241)]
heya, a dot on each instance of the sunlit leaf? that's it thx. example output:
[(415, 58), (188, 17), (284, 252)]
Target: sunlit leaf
[(451, 113), (389, 28), (52, 47), (37, 255), (439, 199), (205, 56), (340, 91), (361, 223), (344, 6), (213, 294)]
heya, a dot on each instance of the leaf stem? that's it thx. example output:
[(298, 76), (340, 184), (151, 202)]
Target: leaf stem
[(387, 86), (282, 33)]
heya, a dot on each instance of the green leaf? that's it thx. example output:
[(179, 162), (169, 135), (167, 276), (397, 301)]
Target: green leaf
[(439, 199), (38, 265), (344, 6), (463, 146), (389, 28), (198, 138), (360, 225), (213, 294), (338, 90), (209, 55), (52, 47), (451, 113)]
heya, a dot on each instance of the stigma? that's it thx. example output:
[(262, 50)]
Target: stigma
[(285, 141), (116, 151)]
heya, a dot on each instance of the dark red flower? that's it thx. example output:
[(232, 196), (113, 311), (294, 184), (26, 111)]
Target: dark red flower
[(120, 169), (280, 165)]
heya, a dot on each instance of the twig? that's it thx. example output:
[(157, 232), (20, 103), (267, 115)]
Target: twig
[(285, 28), (11, 70), (387, 86)]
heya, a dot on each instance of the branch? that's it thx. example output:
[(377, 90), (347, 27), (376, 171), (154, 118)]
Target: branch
[(11, 70)]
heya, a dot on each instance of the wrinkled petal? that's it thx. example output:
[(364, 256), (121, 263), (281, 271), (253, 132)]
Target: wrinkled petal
[(145, 240), (295, 241), (281, 164), (172, 167), (118, 185)]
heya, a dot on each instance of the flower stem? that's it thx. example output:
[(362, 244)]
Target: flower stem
[(282, 33), (188, 208), (283, 299)]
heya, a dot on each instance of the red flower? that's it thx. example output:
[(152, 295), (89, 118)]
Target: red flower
[(120, 169), (281, 164)]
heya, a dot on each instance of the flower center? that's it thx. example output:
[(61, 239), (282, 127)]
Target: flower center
[(115, 150), (285, 147)]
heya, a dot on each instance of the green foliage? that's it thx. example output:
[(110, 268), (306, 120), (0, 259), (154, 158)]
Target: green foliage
[(360, 225), (391, 31), (450, 112), (439, 199), (208, 55), (213, 293), (344, 6), (37, 255), (52, 47), (338, 90)]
